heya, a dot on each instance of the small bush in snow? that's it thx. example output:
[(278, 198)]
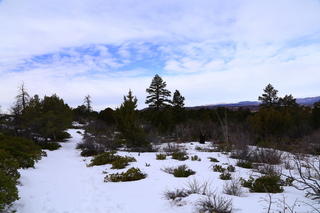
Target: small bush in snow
[(109, 158), (161, 156), (218, 168), (213, 160), (131, 174), (195, 158), (179, 156), (266, 184), (244, 164), (214, 203), (225, 176), (231, 168), (183, 171), (233, 187), (179, 171)]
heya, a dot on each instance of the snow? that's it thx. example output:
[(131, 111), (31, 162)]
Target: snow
[(62, 183)]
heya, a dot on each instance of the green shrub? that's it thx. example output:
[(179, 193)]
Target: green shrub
[(213, 160), (9, 165), (8, 190), (195, 158), (231, 168), (122, 162), (26, 152), (247, 183), (218, 168), (245, 164), (267, 183), (183, 171), (51, 146), (161, 156), (117, 161), (179, 156), (104, 158), (131, 174), (225, 176)]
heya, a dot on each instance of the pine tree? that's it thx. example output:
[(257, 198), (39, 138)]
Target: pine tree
[(158, 94), (269, 98), (178, 111), (126, 117)]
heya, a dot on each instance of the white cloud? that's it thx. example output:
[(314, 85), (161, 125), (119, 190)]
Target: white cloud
[(210, 50)]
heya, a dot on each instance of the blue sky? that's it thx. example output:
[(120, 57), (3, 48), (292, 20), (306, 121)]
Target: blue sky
[(212, 51)]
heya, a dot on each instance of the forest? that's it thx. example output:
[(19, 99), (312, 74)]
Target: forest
[(35, 124)]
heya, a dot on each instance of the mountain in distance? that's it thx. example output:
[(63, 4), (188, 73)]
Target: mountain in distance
[(254, 105)]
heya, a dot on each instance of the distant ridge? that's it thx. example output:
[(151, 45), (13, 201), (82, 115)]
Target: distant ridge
[(254, 105)]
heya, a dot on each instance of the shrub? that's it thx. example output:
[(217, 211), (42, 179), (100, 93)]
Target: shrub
[(109, 158), (179, 171), (195, 158), (213, 160), (26, 152), (233, 187), (214, 203), (8, 190), (50, 146), (122, 162), (131, 174), (173, 194), (171, 148), (183, 171), (218, 168), (104, 158), (267, 183), (179, 156), (247, 183), (244, 164), (231, 168), (225, 176), (161, 156)]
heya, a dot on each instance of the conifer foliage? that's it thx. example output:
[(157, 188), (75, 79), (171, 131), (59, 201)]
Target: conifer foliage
[(158, 94), (126, 117)]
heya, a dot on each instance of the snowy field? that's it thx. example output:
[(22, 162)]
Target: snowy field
[(62, 183)]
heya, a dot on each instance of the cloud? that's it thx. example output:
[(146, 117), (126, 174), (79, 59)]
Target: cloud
[(211, 51)]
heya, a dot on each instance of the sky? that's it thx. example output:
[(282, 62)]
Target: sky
[(212, 51)]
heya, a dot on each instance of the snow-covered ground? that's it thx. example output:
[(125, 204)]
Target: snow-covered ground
[(62, 183)]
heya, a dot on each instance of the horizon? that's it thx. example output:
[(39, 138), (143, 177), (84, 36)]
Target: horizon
[(211, 51)]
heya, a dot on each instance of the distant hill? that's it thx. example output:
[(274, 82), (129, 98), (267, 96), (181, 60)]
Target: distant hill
[(254, 105)]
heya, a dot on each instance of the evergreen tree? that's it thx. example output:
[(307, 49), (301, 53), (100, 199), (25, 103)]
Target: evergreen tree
[(269, 98), (158, 94), (126, 117), (178, 110), (288, 101)]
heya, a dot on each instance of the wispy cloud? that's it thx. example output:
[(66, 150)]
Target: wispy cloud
[(212, 51)]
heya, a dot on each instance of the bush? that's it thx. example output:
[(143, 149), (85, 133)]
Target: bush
[(213, 160), (173, 194), (161, 156), (244, 164), (131, 174), (179, 156), (231, 168), (247, 183), (50, 146), (225, 176), (111, 158), (183, 171), (195, 158), (8, 179), (233, 187), (171, 148), (214, 203), (267, 184), (218, 168), (104, 158), (26, 152), (179, 171), (8, 190)]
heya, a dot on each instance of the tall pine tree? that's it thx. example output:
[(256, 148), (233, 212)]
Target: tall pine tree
[(158, 94)]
